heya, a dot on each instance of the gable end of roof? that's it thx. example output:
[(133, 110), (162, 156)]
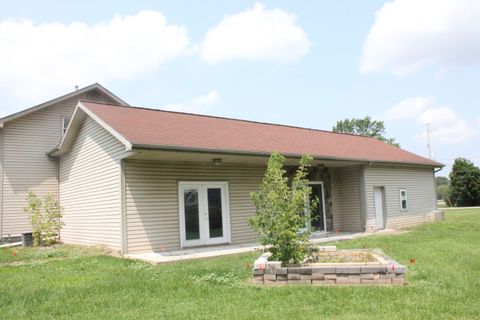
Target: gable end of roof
[(79, 115), (95, 86)]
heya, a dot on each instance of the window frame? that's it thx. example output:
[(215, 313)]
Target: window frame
[(308, 226), (403, 199), (64, 128)]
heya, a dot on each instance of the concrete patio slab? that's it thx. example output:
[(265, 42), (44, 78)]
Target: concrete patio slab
[(223, 250)]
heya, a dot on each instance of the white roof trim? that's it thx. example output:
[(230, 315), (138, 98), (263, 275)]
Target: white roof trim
[(79, 115), (107, 127), (62, 98)]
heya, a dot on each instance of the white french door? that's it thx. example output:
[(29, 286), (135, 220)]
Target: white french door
[(204, 213)]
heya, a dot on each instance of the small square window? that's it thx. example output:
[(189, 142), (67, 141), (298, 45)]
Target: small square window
[(65, 123), (403, 200)]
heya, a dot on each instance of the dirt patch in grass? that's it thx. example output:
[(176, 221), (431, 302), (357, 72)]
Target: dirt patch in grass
[(17, 255)]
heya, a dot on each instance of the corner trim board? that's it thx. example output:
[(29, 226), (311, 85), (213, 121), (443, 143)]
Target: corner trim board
[(1, 180), (123, 209)]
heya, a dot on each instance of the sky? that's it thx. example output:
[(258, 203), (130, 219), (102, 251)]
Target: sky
[(311, 63)]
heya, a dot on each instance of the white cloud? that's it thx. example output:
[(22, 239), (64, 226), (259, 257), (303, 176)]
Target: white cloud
[(43, 59), (256, 34), (407, 109), (442, 116), (408, 35), (445, 124), (201, 104)]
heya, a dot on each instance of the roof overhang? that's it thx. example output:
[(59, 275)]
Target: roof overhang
[(177, 155), (317, 158), (95, 86)]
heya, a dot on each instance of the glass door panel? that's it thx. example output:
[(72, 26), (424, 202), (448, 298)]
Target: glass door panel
[(215, 212), (192, 214), (318, 221)]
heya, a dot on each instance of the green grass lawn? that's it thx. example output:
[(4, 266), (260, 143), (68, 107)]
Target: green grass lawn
[(78, 283)]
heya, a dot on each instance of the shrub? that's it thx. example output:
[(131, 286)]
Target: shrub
[(280, 211), (34, 212), (45, 217)]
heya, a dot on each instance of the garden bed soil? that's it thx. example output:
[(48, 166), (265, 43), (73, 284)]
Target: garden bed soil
[(342, 256)]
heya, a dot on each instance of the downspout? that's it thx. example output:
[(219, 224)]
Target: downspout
[(123, 211), (123, 204), (57, 163), (58, 193), (435, 205)]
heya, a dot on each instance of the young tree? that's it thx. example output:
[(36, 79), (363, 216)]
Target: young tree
[(464, 183), (45, 217), (52, 219), (364, 127), (280, 210), (34, 212)]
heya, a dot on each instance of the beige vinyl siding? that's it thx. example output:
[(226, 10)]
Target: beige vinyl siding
[(419, 183), (1, 182), (90, 188), (347, 199), (26, 166), (152, 212)]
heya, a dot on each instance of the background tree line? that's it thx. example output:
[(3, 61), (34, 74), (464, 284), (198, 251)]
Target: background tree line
[(462, 187)]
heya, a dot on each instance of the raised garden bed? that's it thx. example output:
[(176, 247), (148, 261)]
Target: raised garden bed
[(334, 267)]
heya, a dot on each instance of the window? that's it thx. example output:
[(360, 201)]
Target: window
[(65, 123), (403, 200)]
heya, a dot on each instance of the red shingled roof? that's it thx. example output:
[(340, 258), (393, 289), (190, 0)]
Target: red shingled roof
[(157, 128)]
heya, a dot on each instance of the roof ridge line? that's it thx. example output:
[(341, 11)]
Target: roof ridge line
[(63, 97)]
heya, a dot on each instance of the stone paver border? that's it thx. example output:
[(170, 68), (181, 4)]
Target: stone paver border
[(384, 272)]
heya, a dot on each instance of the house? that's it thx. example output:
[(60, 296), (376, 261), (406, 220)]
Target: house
[(25, 139), (142, 180)]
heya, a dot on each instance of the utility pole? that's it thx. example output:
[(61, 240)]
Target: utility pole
[(428, 141)]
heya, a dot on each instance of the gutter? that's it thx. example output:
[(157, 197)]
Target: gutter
[(51, 154)]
